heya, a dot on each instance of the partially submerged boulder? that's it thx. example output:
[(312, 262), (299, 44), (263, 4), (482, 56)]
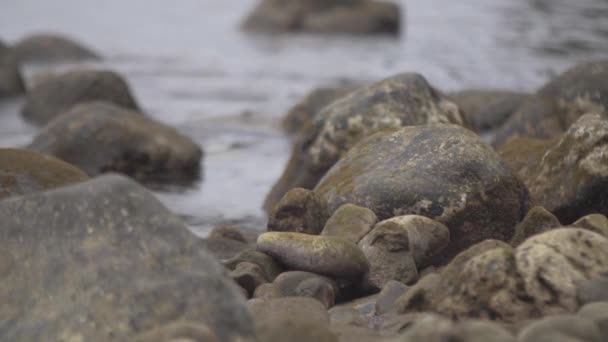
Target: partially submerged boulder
[(46, 47)]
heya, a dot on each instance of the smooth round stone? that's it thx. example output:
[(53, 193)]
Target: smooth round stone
[(325, 255), (350, 222), (598, 312), (594, 222), (561, 328)]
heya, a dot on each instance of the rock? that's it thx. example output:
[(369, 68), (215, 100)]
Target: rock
[(224, 249), (270, 267), (486, 110), (248, 276), (592, 290), (571, 173), (437, 329), (300, 211), (335, 16), (11, 82), (179, 332), (598, 312), (39, 48), (402, 100), (306, 284), (59, 94), (391, 291), (288, 282), (537, 221), (424, 327), (358, 312), (302, 115), (523, 155), (104, 260), (325, 255), (481, 331), (101, 137), (553, 263), (563, 328), (227, 232), (350, 222), (273, 310), (594, 222), (23, 172), (267, 291), (443, 172)]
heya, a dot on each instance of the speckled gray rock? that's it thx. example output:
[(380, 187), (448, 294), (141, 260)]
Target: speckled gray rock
[(301, 211), (350, 222), (58, 94), (270, 267), (402, 100), (553, 263), (324, 16), (443, 172), (108, 252), (537, 221), (24, 172), (577, 164), (11, 82), (598, 312), (46, 47), (594, 222), (101, 137), (324, 255), (562, 328)]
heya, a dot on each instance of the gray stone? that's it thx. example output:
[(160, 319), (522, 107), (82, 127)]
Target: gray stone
[(563, 328), (350, 222), (270, 267), (300, 211), (593, 290), (45, 47), (598, 312), (11, 82), (594, 222), (248, 276), (391, 291), (537, 221)]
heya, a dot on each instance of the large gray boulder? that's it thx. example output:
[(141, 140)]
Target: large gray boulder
[(106, 261)]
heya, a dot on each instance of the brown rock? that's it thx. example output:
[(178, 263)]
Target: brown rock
[(248, 276), (300, 211), (350, 222), (594, 222), (39, 48), (270, 267), (562, 328), (11, 82), (538, 220)]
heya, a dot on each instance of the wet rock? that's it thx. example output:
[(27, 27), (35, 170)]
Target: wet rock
[(227, 232), (11, 82), (300, 211), (443, 172), (224, 249), (427, 238), (424, 327), (59, 94), (267, 291), (537, 221), (179, 332), (594, 222), (402, 100), (278, 309), (563, 328), (598, 312), (357, 312), (481, 331), (592, 290), (108, 253), (391, 291), (571, 173), (387, 249), (350, 222), (523, 155), (553, 263), (248, 276), (294, 330), (270, 267), (437, 329), (288, 282), (485, 110), (40, 48), (24, 172), (306, 284), (324, 255), (304, 112), (336, 16), (101, 137)]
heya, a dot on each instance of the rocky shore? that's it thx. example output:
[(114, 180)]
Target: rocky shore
[(405, 213)]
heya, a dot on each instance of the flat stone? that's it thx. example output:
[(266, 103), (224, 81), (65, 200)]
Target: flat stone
[(350, 222)]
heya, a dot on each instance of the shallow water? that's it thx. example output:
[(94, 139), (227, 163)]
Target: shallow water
[(191, 68)]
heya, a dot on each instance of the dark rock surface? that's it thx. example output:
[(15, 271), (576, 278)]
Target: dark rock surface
[(45, 47), (300, 211), (11, 82)]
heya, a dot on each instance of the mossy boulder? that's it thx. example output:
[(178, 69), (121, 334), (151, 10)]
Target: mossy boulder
[(48, 47)]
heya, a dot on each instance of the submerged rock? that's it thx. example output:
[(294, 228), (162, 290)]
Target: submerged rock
[(57, 95), (102, 137), (40, 48), (402, 100), (324, 16), (443, 172), (23, 172), (11, 82), (110, 254)]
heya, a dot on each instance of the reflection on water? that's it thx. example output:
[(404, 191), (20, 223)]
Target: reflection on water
[(190, 67)]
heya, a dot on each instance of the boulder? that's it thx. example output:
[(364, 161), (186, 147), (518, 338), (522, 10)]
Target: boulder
[(270, 267), (402, 100), (561, 328), (23, 172), (102, 137), (350, 222), (598, 312), (323, 16), (44, 48), (104, 260), (300, 211), (537, 221), (443, 172), (593, 290), (248, 276), (58, 94), (11, 82)]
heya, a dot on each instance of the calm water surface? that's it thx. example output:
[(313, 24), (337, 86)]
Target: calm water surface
[(191, 68)]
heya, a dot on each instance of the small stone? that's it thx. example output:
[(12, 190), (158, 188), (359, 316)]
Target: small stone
[(288, 282), (593, 290), (319, 289), (350, 222), (300, 211), (389, 295), (481, 331), (11, 82), (387, 248), (294, 329), (325, 255), (594, 222), (563, 328), (267, 291), (270, 267), (227, 232), (272, 310), (598, 312), (537, 221), (179, 332), (249, 276)]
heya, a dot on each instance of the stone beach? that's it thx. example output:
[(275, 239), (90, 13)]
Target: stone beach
[(387, 207)]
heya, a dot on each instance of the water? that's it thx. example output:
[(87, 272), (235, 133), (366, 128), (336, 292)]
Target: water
[(191, 68)]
